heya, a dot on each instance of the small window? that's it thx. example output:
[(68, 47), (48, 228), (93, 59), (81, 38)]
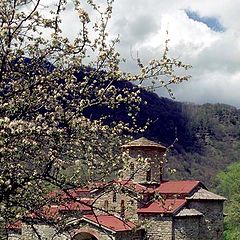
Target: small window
[(122, 212), (132, 169), (114, 196), (106, 205), (149, 177)]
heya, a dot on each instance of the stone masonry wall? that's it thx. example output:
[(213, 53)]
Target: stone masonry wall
[(49, 233), (212, 221), (187, 228), (45, 231), (155, 158), (114, 207), (129, 236), (157, 226), (14, 236)]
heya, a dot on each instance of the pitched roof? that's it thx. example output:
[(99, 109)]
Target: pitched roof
[(177, 187), (186, 212), (110, 222), (203, 194), (169, 188), (47, 212), (75, 192), (52, 212), (17, 225), (58, 195), (143, 142), (130, 184), (163, 207), (81, 206)]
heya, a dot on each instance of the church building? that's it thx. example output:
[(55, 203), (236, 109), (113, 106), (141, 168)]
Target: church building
[(140, 206)]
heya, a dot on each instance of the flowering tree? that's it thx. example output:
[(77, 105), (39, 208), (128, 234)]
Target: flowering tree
[(48, 82)]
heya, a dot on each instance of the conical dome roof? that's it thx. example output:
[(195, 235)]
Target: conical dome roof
[(143, 142)]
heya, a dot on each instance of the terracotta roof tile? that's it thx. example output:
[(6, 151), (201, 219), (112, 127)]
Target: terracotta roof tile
[(130, 184), (74, 192), (84, 205), (167, 206), (47, 212), (111, 222), (15, 225), (52, 212), (177, 187)]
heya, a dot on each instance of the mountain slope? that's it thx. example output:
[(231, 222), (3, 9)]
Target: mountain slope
[(208, 135)]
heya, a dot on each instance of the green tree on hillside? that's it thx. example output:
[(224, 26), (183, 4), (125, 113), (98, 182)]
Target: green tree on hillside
[(229, 185)]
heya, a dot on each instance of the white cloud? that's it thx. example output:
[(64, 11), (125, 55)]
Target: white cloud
[(215, 56), (190, 36)]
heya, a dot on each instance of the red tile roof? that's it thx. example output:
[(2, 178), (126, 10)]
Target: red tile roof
[(84, 205), (52, 212), (71, 193), (47, 212), (131, 185), (75, 192), (14, 226), (177, 187), (111, 222), (163, 206)]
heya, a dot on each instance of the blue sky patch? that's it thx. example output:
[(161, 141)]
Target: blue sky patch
[(211, 22)]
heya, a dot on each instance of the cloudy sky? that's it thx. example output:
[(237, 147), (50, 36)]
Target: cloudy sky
[(203, 33)]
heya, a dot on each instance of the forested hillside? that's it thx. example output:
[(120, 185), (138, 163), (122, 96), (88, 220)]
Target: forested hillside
[(208, 135)]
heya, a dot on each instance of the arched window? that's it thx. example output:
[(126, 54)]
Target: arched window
[(114, 197), (106, 205), (149, 177), (132, 169), (122, 211)]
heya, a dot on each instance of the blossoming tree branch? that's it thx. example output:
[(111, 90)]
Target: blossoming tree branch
[(48, 83)]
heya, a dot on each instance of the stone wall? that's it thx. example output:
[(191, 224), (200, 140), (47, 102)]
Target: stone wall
[(186, 228), (74, 232), (13, 236), (212, 221), (154, 159), (130, 235), (114, 205), (46, 232), (158, 227)]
